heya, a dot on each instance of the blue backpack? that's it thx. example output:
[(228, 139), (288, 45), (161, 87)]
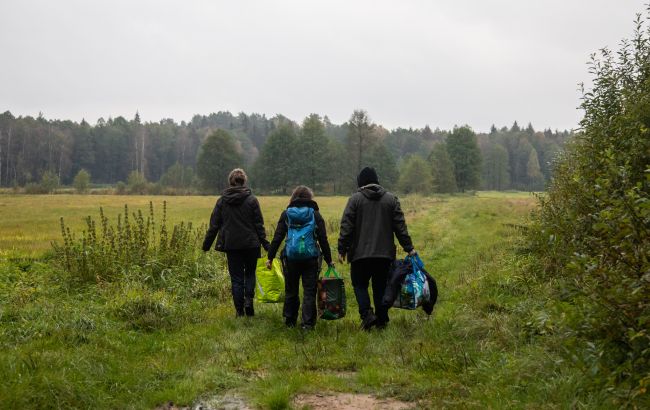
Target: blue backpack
[(301, 234)]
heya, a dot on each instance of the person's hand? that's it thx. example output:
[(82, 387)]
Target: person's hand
[(413, 252), (341, 257), (269, 262)]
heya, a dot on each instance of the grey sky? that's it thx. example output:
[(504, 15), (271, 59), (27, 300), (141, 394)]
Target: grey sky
[(409, 63)]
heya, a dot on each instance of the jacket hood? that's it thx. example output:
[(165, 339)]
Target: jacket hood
[(372, 191), (299, 215), (236, 195), (299, 203)]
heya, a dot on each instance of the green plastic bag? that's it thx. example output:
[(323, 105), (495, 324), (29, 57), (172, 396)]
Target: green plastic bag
[(331, 296), (270, 282)]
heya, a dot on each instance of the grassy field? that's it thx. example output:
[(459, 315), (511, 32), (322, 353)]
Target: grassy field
[(487, 344)]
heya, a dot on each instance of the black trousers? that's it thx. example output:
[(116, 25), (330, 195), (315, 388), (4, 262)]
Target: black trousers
[(308, 271), (241, 266), (362, 272)]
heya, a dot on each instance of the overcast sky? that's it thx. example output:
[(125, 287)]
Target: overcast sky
[(407, 62)]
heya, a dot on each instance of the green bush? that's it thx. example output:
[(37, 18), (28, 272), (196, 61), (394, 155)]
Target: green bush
[(81, 181), (136, 183), (32, 188), (592, 229), (49, 182), (120, 188), (135, 246)]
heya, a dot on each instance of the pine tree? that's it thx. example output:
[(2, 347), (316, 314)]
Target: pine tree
[(427, 134), (312, 149)]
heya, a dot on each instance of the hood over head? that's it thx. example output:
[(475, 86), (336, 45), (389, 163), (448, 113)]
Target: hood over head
[(235, 195), (367, 176), (372, 191)]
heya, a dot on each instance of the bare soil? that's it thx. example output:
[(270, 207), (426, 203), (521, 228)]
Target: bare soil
[(348, 401)]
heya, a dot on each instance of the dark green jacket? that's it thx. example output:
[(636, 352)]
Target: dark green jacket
[(369, 221)]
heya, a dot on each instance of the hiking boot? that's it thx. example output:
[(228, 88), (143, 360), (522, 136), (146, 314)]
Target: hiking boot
[(290, 322), (368, 321), (248, 307), (239, 313), (307, 328)]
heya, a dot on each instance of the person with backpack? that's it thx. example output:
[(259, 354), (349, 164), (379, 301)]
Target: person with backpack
[(238, 225), (304, 228), (371, 217)]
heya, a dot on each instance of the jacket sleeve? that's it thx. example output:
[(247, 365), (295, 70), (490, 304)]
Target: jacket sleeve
[(346, 234), (215, 225), (399, 228), (278, 237), (258, 220), (321, 233)]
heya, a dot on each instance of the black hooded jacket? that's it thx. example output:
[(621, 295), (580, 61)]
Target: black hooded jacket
[(369, 221), (321, 232), (236, 222)]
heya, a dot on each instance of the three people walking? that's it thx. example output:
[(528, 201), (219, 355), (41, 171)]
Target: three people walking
[(371, 219)]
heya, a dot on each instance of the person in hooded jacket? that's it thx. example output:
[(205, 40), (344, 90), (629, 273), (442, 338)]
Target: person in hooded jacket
[(371, 217), (301, 209), (238, 225)]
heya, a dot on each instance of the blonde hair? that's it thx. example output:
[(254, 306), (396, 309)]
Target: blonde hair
[(237, 177), (302, 192)]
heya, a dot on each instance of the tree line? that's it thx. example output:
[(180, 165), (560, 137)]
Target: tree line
[(193, 156)]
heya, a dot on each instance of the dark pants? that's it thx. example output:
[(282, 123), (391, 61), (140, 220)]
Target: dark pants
[(241, 266), (377, 270), (308, 271)]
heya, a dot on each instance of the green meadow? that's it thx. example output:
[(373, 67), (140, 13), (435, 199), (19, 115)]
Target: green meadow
[(489, 343)]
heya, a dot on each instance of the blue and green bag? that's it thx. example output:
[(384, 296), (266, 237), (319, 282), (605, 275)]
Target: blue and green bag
[(415, 287)]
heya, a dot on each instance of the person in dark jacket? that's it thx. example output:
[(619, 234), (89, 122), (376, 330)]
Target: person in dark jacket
[(307, 269), (371, 217), (238, 225)]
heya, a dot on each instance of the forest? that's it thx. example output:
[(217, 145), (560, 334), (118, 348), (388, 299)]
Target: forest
[(41, 154)]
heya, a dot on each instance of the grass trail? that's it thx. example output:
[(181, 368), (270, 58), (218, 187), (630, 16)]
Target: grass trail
[(484, 346)]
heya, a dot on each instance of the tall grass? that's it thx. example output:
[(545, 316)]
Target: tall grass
[(133, 245)]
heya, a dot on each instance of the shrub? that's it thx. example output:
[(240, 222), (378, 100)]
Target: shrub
[(33, 188), (592, 228), (134, 247), (120, 188), (137, 183), (81, 181), (177, 176), (154, 189), (49, 182)]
